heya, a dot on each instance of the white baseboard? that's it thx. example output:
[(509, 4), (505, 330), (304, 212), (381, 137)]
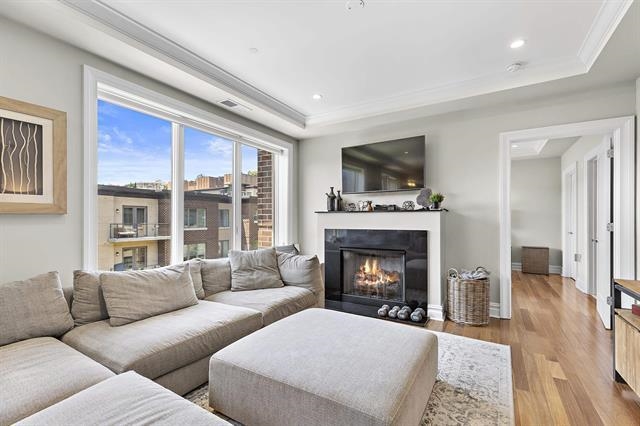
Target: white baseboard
[(582, 286), (435, 312), (553, 269), (494, 310)]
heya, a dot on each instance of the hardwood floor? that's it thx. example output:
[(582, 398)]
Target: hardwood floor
[(561, 356)]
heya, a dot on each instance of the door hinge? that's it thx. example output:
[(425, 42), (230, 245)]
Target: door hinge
[(610, 153), (609, 300), (609, 227)]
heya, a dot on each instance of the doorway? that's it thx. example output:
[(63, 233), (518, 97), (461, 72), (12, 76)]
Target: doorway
[(622, 131)]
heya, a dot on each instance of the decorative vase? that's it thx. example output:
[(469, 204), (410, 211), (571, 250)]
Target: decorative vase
[(331, 200), (423, 198), (369, 206), (408, 205), (339, 202), (435, 206)]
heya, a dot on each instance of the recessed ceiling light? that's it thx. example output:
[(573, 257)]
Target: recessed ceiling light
[(406, 152), (515, 145), (316, 96), (254, 50), (516, 44)]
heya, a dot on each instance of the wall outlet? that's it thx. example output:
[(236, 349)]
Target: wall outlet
[(577, 257)]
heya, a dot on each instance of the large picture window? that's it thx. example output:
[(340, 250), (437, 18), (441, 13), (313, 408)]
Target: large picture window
[(139, 190)]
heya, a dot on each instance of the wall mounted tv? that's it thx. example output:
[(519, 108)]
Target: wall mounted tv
[(397, 165)]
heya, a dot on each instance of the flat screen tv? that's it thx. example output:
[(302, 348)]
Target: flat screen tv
[(397, 165)]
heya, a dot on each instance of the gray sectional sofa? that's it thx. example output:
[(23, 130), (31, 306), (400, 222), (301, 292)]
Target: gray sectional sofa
[(155, 337)]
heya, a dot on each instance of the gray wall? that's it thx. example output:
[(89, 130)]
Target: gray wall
[(48, 72), (536, 207), (462, 162)]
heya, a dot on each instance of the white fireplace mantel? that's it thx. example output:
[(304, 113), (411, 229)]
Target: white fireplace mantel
[(430, 221)]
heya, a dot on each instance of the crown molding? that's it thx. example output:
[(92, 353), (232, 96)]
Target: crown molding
[(128, 30), (603, 26), (503, 80)]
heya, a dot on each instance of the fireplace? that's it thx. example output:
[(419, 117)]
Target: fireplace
[(373, 276), (365, 269)]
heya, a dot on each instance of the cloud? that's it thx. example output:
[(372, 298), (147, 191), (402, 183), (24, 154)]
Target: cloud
[(219, 146), (122, 136)]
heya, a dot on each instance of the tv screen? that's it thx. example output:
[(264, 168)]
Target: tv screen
[(396, 165)]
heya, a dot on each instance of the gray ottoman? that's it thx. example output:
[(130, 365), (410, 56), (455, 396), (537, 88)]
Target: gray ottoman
[(321, 367)]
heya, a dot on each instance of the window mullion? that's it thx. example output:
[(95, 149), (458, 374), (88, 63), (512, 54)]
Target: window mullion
[(236, 185), (177, 192)]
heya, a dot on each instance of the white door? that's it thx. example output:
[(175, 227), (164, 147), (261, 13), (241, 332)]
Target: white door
[(570, 223), (603, 235), (591, 169)]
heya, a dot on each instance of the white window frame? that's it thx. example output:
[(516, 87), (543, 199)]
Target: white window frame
[(101, 85)]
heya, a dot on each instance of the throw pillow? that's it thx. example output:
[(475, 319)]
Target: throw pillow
[(216, 275), (135, 295), (195, 268), (253, 270), (301, 271), (35, 307), (88, 302)]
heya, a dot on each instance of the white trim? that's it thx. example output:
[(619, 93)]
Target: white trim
[(137, 35), (622, 129), (582, 286), (607, 20), (90, 172), (494, 310), (553, 269), (435, 312), (177, 193)]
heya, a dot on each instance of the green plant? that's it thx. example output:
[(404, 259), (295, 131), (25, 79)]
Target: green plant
[(436, 197)]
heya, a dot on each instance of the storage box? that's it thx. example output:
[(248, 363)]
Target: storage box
[(535, 260)]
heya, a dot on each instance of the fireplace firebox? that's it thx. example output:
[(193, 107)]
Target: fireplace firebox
[(365, 269)]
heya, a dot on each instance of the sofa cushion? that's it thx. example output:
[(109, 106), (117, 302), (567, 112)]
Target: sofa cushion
[(160, 344), (273, 303), (216, 275), (254, 269), (35, 307), (301, 271), (195, 269), (290, 248), (88, 303), (37, 373), (134, 295), (125, 399)]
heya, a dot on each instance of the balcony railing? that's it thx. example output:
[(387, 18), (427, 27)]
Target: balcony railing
[(121, 231)]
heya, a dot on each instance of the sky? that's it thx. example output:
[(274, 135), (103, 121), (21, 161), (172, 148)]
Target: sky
[(136, 147)]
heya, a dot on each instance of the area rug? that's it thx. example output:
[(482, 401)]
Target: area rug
[(473, 386)]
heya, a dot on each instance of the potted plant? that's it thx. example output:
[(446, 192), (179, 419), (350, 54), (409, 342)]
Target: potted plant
[(435, 199)]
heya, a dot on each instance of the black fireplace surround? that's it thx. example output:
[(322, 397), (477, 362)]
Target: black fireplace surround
[(366, 268)]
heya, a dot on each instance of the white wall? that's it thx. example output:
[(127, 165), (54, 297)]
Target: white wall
[(462, 162), (48, 72), (536, 207)]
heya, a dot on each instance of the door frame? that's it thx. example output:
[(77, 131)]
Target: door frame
[(567, 257), (589, 187), (622, 130)]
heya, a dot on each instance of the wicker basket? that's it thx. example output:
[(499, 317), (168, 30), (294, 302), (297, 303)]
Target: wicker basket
[(467, 300)]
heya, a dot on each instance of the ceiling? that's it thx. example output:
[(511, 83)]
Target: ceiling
[(538, 149), (387, 59)]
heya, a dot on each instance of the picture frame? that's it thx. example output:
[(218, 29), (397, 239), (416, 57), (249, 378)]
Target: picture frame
[(33, 159)]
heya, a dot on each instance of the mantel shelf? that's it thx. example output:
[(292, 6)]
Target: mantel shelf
[(383, 211)]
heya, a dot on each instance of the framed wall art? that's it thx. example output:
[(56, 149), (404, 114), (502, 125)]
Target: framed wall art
[(33, 158)]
